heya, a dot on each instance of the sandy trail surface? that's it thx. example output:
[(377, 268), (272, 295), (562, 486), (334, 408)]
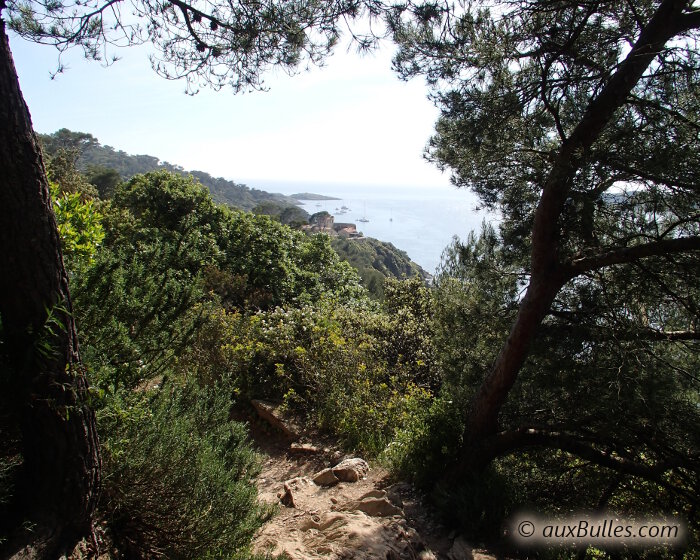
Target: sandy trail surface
[(372, 518)]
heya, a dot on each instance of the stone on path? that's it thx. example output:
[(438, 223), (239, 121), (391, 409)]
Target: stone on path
[(351, 470), (374, 507), (271, 414), (325, 478)]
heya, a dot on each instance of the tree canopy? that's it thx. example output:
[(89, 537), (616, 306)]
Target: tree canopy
[(207, 43), (578, 122)]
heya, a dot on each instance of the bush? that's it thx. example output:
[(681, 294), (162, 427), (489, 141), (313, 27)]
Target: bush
[(353, 371), (178, 476)]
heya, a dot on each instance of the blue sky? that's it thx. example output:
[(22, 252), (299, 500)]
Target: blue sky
[(352, 121)]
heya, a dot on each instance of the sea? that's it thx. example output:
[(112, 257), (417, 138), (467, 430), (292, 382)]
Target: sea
[(422, 221)]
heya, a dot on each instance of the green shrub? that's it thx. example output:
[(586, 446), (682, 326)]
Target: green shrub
[(368, 414), (79, 226), (178, 475), (353, 371)]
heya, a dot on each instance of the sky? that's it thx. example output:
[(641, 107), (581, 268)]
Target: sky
[(350, 122)]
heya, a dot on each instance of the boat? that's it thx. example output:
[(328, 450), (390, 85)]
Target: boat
[(363, 219)]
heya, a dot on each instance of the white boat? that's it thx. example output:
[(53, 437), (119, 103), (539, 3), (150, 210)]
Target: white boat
[(363, 219)]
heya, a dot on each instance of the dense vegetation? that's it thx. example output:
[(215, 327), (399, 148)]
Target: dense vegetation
[(104, 168), (154, 271), (375, 261), (577, 368), (179, 323), (169, 292)]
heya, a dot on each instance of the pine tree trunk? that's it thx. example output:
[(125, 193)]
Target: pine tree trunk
[(482, 420), (548, 274), (60, 473)]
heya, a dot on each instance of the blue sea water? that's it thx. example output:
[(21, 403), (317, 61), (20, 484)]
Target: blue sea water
[(418, 220)]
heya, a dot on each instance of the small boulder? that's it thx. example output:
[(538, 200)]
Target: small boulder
[(304, 449), (326, 477), (288, 498), (271, 413), (375, 507), (397, 491), (351, 470), (374, 494)]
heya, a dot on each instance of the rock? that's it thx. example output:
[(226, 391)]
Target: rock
[(313, 522), (351, 470), (270, 413), (396, 491), (481, 555), (374, 494), (326, 477), (288, 498), (374, 507), (323, 522), (304, 449), (294, 486)]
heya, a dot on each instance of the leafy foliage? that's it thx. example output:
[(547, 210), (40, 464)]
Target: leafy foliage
[(104, 167), (168, 250), (602, 379), (568, 340), (79, 226), (104, 178), (474, 301), (179, 316), (62, 170), (576, 121), (289, 215), (376, 261), (179, 475), (228, 44), (357, 371)]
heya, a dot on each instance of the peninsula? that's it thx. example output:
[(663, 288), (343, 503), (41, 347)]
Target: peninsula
[(312, 196)]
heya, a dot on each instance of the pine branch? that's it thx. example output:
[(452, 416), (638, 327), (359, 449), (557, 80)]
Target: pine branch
[(624, 255)]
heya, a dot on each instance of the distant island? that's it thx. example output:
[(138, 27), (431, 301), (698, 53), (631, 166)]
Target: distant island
[(312, 196)]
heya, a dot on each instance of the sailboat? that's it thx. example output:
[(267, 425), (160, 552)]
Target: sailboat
[(364, 219)]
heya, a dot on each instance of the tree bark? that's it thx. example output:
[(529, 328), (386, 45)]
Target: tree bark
[(548, 273), (60, 473)]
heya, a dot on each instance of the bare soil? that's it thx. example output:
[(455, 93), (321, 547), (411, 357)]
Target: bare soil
[(373, 518)]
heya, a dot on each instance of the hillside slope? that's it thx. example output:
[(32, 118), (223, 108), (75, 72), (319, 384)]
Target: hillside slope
[(376, 260), (93, 155)]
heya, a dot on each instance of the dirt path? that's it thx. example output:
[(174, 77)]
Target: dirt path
[(372, 518)]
